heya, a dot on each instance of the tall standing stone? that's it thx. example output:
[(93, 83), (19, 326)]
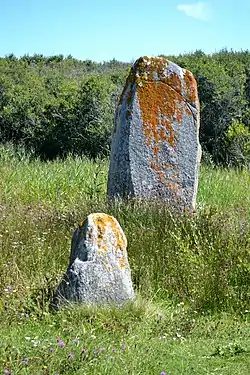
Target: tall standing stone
[(155, 150), (98, 270)]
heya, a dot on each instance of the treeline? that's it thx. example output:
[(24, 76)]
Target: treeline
[(58, 105)]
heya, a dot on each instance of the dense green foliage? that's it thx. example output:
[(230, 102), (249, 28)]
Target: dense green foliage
[(56, 106), (191, 274)]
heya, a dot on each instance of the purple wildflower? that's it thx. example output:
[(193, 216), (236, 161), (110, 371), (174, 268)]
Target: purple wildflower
[(71, 356), (24, 361), (163, 373), (7, 372), (51, 349), (75, 341), (61, 344)]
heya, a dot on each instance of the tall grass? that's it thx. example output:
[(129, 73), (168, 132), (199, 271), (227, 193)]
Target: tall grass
[(226, 189), (202, 258), (61, 184)]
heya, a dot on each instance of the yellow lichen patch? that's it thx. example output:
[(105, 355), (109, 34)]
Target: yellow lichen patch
[(103, 222)]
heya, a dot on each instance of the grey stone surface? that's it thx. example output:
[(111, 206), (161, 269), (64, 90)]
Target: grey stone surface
[(155, 150), (98, 270)]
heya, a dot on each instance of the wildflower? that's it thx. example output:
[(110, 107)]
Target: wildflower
[(24, 361), (75, 341), (71, 356), (97, 351), (123, 346), (61, 344), (163, 373), (7, 372), (51, 349)]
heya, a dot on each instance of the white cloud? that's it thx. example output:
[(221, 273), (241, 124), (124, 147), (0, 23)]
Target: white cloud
[(199, 10)]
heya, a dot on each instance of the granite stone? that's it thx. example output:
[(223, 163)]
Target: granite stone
[(155, 149), (98, 271)]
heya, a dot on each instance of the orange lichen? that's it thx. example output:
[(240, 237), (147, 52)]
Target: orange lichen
[(159, 108), (103, 222), (161, 104), (191, 87), (174, 81), (155, 166), (166, 166), (156, 150), (122, 262)]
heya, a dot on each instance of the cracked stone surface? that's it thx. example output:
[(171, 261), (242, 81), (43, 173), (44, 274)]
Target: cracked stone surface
[(98, 271), (155, 149)]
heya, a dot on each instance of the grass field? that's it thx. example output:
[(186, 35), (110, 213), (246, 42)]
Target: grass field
[(191, 275)]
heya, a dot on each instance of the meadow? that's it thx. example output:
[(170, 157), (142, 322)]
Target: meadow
[(191, 275)]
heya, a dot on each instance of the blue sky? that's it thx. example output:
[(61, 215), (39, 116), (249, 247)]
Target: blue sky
[(101, 30)]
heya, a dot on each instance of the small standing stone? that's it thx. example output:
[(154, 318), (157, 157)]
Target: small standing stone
[(98, 270), (155, 150)]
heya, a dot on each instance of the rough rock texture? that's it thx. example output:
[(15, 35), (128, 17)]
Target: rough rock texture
[(155, 150), (98, 270)]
